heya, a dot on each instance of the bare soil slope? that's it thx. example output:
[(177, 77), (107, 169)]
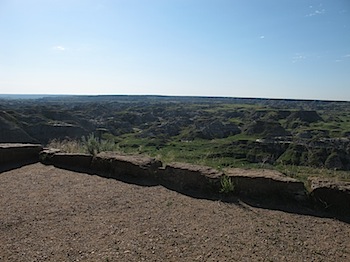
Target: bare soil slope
[(50, 214)]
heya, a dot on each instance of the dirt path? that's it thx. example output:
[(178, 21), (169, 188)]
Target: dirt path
[(50, 214)]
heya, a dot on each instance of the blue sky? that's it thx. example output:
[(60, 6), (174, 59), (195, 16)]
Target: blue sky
[(239, 48)]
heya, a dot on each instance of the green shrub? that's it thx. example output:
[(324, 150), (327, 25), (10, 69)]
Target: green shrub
[(227, 186), (108, 145), (91, 144)]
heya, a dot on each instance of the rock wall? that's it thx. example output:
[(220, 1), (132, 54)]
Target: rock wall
[(188, 177), (263, 182), (330, 195), (15, 155), (179, 176), (327, 194), (185, 178)]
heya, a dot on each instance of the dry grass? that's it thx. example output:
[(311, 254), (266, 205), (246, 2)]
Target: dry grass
[(67, 146)]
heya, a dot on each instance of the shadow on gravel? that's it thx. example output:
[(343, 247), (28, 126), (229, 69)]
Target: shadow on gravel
[(11, 166), (279, 203), (306, 207)]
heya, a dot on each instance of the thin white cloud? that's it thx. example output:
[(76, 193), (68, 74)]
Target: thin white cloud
[(347, 56), (59, 48), (298, 57), (316, 12), (262, 37)]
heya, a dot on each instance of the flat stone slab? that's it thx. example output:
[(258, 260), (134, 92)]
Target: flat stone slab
[(50, 151), (19, 145), (116, 165), (188, 176), (11, 153), (203, 170), (137, 160), (265, 182), (258, 173), (332, 195), (320, 182)]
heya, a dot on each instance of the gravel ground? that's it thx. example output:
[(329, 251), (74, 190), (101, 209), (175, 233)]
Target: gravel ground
[(50, 214)]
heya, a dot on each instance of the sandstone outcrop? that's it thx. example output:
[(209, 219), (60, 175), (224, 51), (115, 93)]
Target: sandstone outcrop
[(330, 194), (11, 131), (71, 161), (18, 154), (46, 131), (216, 129), (107, 164), (263, 182), (266, 129), (115, 165), (308, 116), (183, 176)]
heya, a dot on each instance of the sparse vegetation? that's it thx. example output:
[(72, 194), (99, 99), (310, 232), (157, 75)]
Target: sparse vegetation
[(217, 132), (91, 144), (227, 185), (67, 145)]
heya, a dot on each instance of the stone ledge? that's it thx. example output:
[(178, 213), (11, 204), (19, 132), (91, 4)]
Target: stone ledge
[(19, 145), (107, 164), (114, 165), (331, 195), (195, 178), (16, 153), (142, 161), (178, 176), (184, 176), (264, 182), (72, 160)]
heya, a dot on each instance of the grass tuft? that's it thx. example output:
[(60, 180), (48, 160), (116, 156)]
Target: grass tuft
[(227, 185)]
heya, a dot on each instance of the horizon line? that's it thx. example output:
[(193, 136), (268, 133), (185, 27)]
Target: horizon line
[(38, 95)]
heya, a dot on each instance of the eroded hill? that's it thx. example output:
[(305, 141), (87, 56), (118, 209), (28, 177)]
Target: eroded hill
[(217, 131)]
